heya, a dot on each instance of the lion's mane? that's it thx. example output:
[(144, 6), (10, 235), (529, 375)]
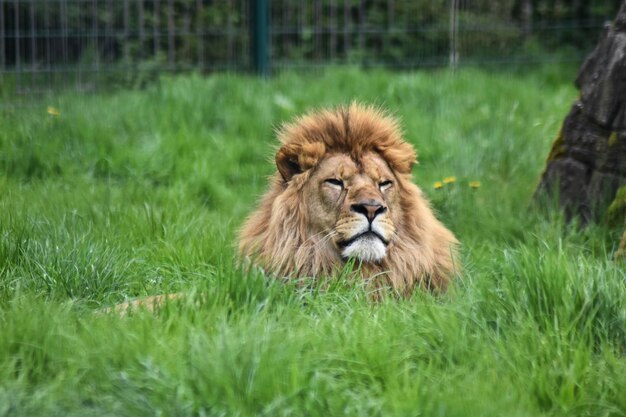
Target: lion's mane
[(277, 236)]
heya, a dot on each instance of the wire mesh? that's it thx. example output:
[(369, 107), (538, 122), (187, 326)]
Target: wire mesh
[(84, 44)]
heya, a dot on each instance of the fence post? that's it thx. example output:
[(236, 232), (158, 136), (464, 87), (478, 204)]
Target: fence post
[(259, 37), (454, 34), (2, 36)]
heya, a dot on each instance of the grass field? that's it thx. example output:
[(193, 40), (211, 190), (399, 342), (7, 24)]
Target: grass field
[(134, 193)]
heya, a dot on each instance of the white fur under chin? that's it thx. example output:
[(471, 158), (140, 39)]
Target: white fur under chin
[(366, 249)]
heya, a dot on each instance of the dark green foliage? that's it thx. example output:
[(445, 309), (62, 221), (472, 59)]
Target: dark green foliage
[(130, 42)]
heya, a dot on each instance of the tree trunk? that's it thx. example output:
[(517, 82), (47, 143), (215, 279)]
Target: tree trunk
[(587, 163)]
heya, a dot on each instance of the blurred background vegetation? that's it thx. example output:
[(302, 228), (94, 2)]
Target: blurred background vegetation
[(87, 43)]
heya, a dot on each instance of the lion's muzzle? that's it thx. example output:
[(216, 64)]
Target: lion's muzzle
[(370, 232)]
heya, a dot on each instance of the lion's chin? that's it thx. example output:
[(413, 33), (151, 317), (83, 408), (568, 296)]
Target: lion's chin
[(368, 248)]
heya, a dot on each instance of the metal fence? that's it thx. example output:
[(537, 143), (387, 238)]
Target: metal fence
[(85, 44)]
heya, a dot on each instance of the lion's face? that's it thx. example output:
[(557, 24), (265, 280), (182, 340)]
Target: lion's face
[(343, 189), (354, 205)]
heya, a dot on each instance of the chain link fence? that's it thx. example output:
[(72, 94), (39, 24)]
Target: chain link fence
[(90, 44)]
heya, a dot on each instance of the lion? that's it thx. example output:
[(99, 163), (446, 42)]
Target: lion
[(343, 191)]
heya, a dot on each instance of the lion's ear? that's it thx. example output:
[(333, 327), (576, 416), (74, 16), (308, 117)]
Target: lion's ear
[(293, 159), (402, 158), (287, 162)]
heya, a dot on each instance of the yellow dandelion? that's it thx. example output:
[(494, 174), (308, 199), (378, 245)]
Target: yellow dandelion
[(449, 180), (438, 185), (474, 184), (53, 111)]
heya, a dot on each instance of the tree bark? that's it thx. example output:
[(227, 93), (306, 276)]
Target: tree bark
[(587, 163)]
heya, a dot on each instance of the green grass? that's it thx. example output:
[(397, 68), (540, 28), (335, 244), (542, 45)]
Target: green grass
[(141, 192)]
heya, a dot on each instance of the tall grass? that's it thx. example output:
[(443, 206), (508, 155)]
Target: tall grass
[(141, 192)]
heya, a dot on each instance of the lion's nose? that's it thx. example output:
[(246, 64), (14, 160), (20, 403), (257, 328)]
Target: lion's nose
[(369, 208)]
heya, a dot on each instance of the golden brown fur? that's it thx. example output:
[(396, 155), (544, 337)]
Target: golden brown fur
[(151, 303), (334, 167), (301, 222)]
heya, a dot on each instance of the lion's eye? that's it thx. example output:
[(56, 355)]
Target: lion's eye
[(335, 182), (385, 185)]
